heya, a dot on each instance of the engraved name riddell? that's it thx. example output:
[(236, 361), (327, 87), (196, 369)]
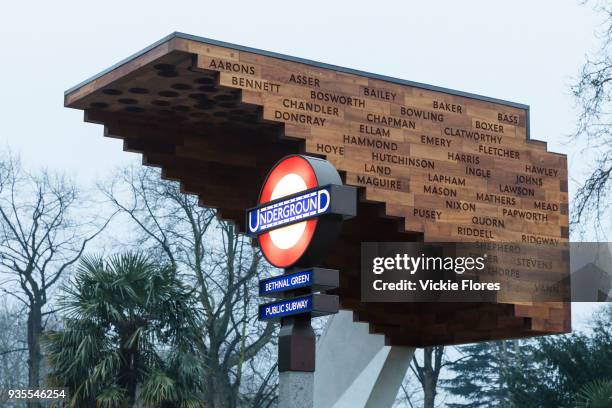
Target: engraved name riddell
[(475, 232)]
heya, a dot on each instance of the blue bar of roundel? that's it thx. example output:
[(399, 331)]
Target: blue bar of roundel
[(321, 197), (287, 307)]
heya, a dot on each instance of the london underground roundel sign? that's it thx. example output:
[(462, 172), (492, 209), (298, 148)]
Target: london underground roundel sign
[(301, 206)]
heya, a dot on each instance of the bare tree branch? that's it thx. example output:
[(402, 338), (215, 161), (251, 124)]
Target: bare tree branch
[(593, 94), (41, 236)]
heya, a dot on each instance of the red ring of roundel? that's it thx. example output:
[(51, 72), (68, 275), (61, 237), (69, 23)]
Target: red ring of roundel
[(282, 258)]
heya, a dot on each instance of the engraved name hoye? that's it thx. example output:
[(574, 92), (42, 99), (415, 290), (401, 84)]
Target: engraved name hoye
[(455, 168)]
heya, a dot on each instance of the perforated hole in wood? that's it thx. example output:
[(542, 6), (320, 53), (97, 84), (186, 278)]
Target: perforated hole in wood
[(169, 94)]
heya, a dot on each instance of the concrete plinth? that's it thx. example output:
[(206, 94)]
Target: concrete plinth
[(296, 389)]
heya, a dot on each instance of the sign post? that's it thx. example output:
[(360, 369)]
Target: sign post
[(296, 339), (298, 218)]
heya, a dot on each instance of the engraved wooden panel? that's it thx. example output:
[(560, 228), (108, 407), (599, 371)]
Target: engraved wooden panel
[(433, 165)]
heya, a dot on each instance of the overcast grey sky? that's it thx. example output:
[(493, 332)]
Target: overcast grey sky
[(522, 51)]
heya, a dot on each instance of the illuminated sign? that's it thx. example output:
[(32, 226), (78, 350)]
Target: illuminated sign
[(289, 210), (315, 304), (317, 279), (285, 307), (302, 197), (285, 282)]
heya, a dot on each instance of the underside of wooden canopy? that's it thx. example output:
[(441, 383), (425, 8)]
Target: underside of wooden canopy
[(217, 141)]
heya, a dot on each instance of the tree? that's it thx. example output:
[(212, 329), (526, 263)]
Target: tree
[(547, 372), (410, 394), (484, 374), (560, 366), (131, 328), (13, 346), (223, 268), (593, 94), (428, 374), (41, 236), (596, 394)]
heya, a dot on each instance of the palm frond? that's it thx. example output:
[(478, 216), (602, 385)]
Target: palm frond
[(596, 394), (158, 389)]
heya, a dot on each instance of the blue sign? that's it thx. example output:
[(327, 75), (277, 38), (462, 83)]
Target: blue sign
[(286, 307), (285, 282), (294, 209)]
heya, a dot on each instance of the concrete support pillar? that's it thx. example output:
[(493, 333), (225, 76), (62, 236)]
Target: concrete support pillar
[(296, 389), (354, 368)]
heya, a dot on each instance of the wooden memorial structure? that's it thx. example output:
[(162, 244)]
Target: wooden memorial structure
[(432, 164)]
